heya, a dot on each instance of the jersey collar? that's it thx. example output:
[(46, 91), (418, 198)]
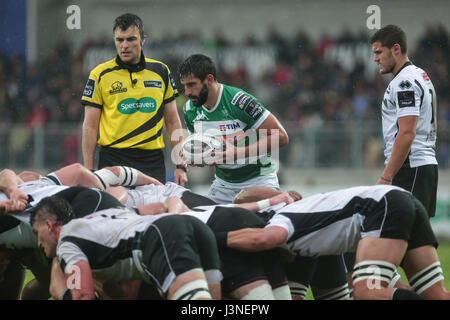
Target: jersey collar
[(217, 102), (407, 63), (132, 67)]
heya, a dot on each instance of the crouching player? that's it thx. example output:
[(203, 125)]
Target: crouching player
[(177, 254), (386, 226)]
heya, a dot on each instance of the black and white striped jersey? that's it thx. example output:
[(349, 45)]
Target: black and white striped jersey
[(150, 193), (110, 240), (203, 213), (329, 223), (411, 93)]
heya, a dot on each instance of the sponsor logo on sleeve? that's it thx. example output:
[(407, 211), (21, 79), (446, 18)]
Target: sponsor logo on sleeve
[(236, 98), (89, 88), (254, 109), (152, 84), (406, 99)]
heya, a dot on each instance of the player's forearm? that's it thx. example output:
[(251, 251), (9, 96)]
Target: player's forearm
[(173, 124), (280, 197), (248, 239), (400, 151), (88, 146), (8, 182), (267, 143), (85, 290)]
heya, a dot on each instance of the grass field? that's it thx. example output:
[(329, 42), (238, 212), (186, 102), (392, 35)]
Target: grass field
[(444, 256)]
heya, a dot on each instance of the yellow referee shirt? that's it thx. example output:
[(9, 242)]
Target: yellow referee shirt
[(132, 100)]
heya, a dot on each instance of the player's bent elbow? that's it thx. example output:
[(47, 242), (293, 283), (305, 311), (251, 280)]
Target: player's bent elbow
[(284, 139), (265, 241)]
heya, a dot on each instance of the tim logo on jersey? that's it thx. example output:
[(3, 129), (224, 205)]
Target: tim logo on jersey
[(229, 126)]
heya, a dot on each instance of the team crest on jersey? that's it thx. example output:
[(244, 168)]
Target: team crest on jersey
[(405, 84), (117, 87)]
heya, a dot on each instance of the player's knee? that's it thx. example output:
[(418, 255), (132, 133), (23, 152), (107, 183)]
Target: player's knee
[(192, 290), (282, 293), (362, 292), (117, 176), (76, 167), (370, 275), (261, 292), (114, 170)]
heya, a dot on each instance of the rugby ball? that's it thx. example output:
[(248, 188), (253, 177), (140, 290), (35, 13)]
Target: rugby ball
[(197, 148)]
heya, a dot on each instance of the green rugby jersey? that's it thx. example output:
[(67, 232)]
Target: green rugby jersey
[(236, 111)]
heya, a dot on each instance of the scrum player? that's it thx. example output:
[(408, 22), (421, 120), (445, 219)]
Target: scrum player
[(385, 225), (176, 253), (18, 244)]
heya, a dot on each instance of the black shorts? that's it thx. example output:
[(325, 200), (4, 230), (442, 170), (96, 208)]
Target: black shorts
[(192, 200), (422, 182), (324, 272), (399, 215), (85, 201), (149, 162), (175, 244), (238, 267)]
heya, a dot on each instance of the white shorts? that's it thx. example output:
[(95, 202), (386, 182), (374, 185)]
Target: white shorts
[(224, 192)]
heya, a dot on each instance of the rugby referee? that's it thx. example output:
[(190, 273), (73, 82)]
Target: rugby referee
[(127, 100)]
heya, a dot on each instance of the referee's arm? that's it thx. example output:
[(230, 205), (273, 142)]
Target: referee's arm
[(89, 135)]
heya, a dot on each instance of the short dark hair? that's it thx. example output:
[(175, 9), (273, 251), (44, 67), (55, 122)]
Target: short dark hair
[(53, 207), (390, 35), (197, 65), (127, 20)]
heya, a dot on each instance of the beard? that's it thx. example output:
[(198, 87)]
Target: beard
[(201, 98), (389, 69), (390, 65)]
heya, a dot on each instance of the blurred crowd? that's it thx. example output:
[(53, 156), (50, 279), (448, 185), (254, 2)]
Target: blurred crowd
[(304, 88)]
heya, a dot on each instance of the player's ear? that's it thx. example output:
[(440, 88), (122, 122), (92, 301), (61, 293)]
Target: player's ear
[(396, 49), (50, 224), (210, 78)]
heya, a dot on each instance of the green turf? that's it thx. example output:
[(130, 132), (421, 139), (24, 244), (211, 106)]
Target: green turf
[(443, 252)]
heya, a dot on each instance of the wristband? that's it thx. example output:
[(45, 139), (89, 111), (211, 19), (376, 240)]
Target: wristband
[(385, 179), (263, 204), (182, 167)]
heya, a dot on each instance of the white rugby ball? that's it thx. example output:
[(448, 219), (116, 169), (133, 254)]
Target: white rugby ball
[(197, 148)]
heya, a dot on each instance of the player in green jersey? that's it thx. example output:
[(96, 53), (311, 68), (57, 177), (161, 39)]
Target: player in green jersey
[(252, 133)]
